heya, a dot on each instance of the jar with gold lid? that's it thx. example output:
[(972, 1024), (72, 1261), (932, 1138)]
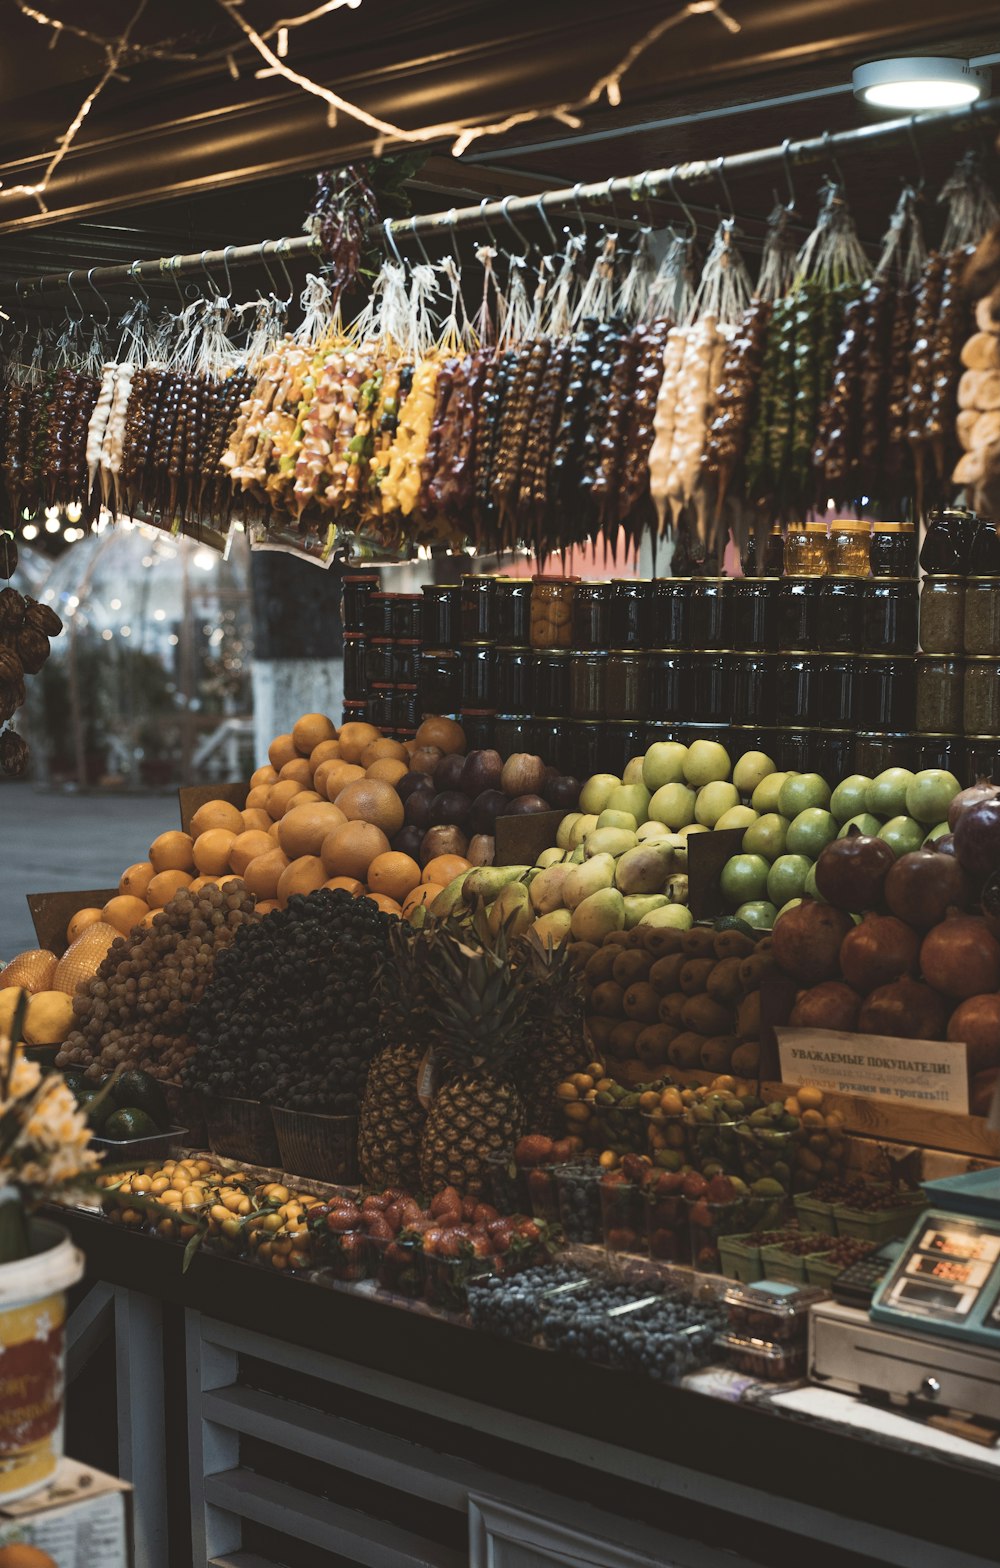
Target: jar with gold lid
[(850, 538), (893, 550), (981, 620), (626, 684), (807, 550)]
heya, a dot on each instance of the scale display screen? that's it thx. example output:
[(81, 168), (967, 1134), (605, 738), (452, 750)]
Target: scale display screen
[(947, 1277)]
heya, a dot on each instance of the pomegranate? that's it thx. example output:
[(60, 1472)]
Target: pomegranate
[(960, 957), (831, 1005), (921, 887), (878, 951), (976, 1023), (905, 1010), (982, 1090), (944, 845), (806, 941), (850, 871), (977, 836), (981, 790)]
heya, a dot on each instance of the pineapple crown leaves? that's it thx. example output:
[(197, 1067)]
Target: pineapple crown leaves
[(401, 994), (482, 1008)]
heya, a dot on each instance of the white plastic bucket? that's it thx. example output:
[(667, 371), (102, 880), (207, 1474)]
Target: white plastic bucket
[(33, 1359)]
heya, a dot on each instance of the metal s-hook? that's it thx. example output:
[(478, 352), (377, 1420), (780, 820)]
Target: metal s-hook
[(577, 188), (79, 303), (720, 164), (279, 255), (136, 277), (678, 199), (641, 198), (786, 159), (212, 285), (100, 299), (390, 243), (609, 196), (911, 131), (225, 268), (450, 222), (550, 231), (418, 241), (505, 209), (169, 265), (826, 139), (483, 220)]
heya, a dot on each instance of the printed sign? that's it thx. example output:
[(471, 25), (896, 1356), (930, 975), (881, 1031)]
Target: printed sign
[(931, 1073)]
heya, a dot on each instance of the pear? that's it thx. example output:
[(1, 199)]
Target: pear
[(633, 771), (551, 857), (577, 856), (638, 905), (451, 896), (580, 829), (598, 914), (609, 841), (677, 916), (591, 877), (644, 869), (617, 819), (566, 827), (487, 882), (677, 888), (512, 910), (553, 929), (547, 889), (652, 829)]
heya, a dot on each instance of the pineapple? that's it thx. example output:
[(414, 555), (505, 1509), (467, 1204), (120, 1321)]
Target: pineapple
[(392, 1115), (481, 1016), (558, 1045)]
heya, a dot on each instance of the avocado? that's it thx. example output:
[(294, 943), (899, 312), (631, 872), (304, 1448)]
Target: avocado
[(138, 1089), (76, 1083), (128, 1123), (96, 1115), (730, 923)]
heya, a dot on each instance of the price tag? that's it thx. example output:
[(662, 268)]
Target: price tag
[(929, 1073)]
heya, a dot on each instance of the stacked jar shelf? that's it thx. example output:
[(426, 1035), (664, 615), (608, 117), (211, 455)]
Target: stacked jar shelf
[(382, 646)]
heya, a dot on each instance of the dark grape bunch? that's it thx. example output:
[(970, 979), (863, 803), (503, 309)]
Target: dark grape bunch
[(135, 1011), (289, 1017)]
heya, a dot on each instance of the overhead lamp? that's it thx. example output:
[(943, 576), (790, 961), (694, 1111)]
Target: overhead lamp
[(920, 82)]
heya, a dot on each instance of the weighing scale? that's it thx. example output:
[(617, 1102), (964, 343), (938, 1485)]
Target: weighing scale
[(932, 1338)]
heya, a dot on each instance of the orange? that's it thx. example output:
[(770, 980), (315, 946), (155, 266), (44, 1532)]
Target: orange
[(445, 733), (255, 820), (308, 797), (257, 798), (262, 874), (349, 884), (387, 770), (394, 874), (164, 885), (354, 738), (281, 750), (211, 850), (280, 797), (337, 775), (264, 775), (425, 894), (272, 834), (326, 751), (349, 849), (298, 770), (311, 730), (81, 920), (216, 814), (124, 912), (246, 847), (304, 875), (266, 906), (136, 879), (172, 852), (388, 906), (370, 800), (302, 830), (379, 749), (22, 1556), (445, 868)]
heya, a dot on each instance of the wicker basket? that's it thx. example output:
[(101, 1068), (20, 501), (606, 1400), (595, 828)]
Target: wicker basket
[(324, 1148)]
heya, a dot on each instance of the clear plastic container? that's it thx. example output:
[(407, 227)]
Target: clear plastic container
[(622, 1216), (663, 1335), (771, 1310), (552, 612), (398, 1265), (513, 1308), (506, 1183), (774, 1363), (578, 1191), (668, 1232), (543, 1193)]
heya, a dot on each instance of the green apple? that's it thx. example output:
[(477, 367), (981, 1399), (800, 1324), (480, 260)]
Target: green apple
[(765, 797), (851, 796), (736, 817), (744, 878), (750, 769), (810, 832), (673, 804), (633, 798), (810, 889), (787, 878), (803, 792), (617, 819), (864, 822), (663, 764), (766, 836), (938, 832), (633, 770), (930, 794), (707, 762), (713, 799), (677, 916), (594, 794), (887, 794), (792, 902), (903, 835), (759, 913), (566, 827)]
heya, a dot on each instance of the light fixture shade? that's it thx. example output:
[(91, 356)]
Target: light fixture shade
[(920, 82)]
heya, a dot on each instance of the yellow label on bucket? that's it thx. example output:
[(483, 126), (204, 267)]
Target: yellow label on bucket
[(31, 1391)]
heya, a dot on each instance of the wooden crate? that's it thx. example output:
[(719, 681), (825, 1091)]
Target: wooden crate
[(51, 913)]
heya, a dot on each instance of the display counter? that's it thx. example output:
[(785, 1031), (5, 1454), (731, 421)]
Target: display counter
[(326, 1426)]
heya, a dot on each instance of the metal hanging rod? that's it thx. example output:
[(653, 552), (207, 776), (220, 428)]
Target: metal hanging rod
[(649, 185)]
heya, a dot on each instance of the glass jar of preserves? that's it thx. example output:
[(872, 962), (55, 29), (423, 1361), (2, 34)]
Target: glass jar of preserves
[(798, 613), (751, 687), (381, 661), (551, 682), (893, 550), (941, 751), (838, 690), (479, 675), (876, 750), (706, 613), (981, 621), (752, 619), (477, 608), (355, 665), (834, 750), (670, 697), (797, 690), (552, 611), (982, 758), (441, 614), (850, 538), (670, 612), (592, 615), (752, 737), (478, 724), (585, 742), (552, 741), (631, 613), (407, 616), (514, 732), (981, 704), (796, 750), (588, 676), (405, 705), (942, 614), (939, 694), (513, 611), (839, 614), (626, 688), (948, 541), (407, 653), (515, 668), (807, 550), (887, 688), (710, 687), (890, 615), (439, 681), (622, 740), (773, 564), (984, 556), (380, 712), (355, 589), (355, 711), (378, 615)]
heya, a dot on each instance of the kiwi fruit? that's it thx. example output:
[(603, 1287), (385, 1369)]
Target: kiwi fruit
[(652, 1044), (624, 1036), (684, 1051), (600, 1031), (698, 942), (723, 984), (665, 973), (732, 944), (600, 965), (717, 1053), (753, 970), (671, 1008), (748, 1017), (631, 965), (580, 953), (746, 1059), (642, 1002), (618, 939), (606, 999), (705, 1016), (660, 941), (694, 975)]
